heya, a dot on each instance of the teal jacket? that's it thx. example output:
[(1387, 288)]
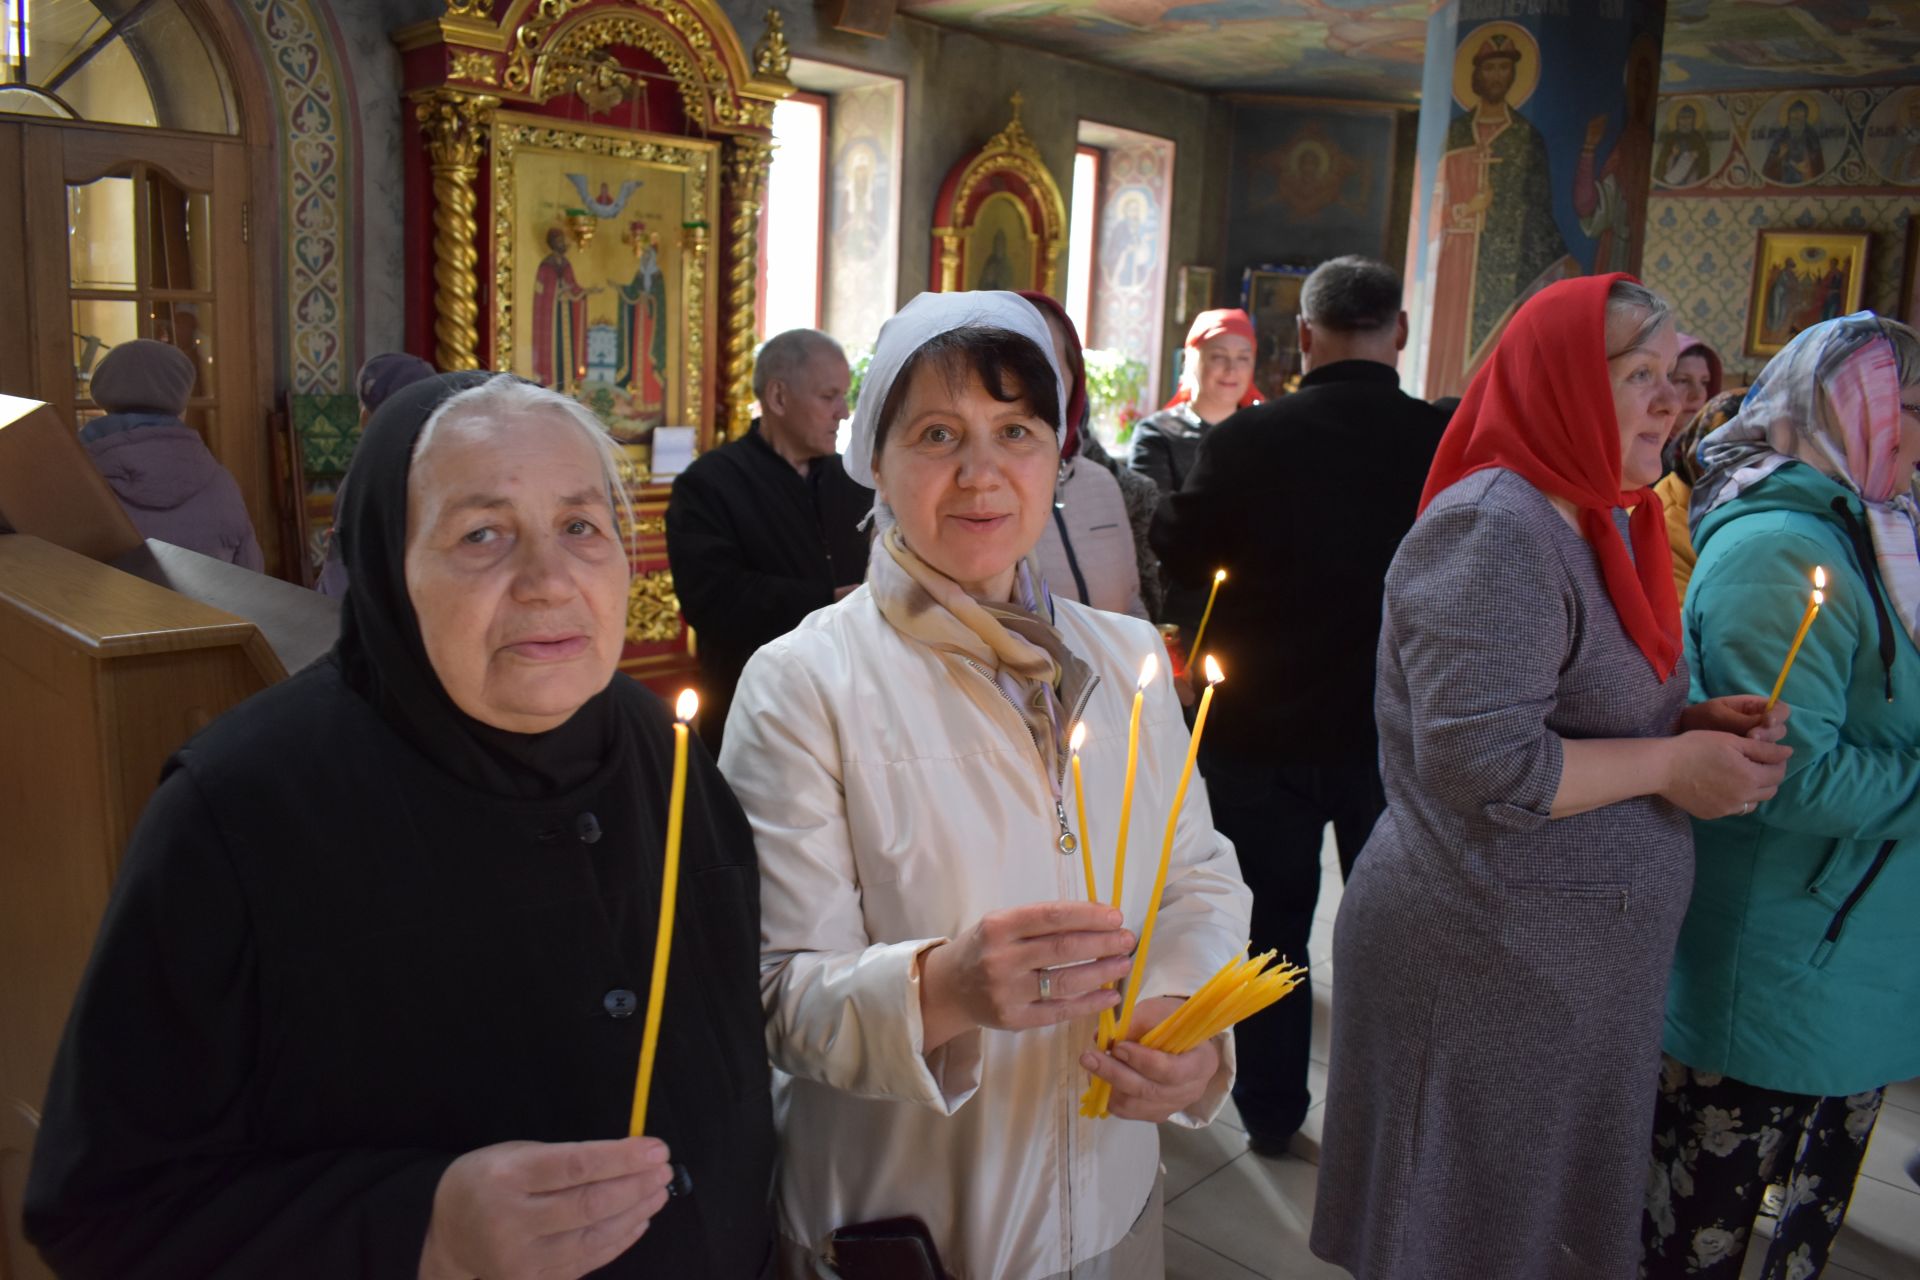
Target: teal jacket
[(1799, 964)]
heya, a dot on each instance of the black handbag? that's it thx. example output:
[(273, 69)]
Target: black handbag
[(887, 1249)]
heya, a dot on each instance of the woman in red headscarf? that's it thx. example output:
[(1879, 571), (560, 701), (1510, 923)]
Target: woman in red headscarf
[(1504, 941), (1216, 378)]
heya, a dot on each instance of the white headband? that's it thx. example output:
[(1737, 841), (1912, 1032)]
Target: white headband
[(918, 323)]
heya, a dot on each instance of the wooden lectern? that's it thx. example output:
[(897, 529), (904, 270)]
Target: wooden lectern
[(104, 672)]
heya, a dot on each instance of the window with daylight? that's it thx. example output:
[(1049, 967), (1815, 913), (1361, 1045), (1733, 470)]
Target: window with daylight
[(793, 220), (1083, 229), (1117, 252)]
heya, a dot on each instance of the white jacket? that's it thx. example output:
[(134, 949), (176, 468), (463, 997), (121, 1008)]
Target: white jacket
[(1087, 501), (896, 798)]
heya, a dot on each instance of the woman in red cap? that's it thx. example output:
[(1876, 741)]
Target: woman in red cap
[(1216, 378), (1504, 942)]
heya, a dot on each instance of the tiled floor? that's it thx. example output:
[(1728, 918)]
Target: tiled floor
[(1232, 1215)]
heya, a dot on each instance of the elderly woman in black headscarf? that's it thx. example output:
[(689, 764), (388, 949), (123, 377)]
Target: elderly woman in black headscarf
[(364, 1000)]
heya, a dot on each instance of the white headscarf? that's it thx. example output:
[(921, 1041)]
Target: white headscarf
[(919, 322)]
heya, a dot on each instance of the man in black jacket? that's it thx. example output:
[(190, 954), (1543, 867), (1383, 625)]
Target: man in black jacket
[(764, 530), (1303, 501)]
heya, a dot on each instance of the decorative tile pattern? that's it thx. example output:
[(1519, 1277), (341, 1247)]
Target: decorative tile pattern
[(316, 189), (1700, 255), (328, 428)]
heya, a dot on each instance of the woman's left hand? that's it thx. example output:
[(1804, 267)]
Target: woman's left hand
[(1743, 715), (1148, 1084)]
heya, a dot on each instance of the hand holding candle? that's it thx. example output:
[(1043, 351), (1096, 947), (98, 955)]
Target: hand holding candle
[(1818, 598), (684, 712), (1134, 980)]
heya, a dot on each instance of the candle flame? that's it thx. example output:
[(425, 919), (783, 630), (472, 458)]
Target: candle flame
[(1149, 669), (1078, 737), (687, 707), (1819, 597), (1819, 576), (1214, 674), (1219, 575)]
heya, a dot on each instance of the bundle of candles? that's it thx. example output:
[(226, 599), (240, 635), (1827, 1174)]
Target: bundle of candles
[(1239, 990), (1243, 987)]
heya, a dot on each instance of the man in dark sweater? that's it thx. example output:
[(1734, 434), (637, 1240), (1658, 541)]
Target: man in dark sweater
[(1303, 501), (764, 530)]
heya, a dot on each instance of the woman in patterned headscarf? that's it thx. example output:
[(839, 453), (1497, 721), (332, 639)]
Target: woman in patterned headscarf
[(1793, 998)]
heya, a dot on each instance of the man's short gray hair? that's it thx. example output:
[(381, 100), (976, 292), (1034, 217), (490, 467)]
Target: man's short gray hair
[(1351, 294), (504, 397), (1627, 298), (782, 356)]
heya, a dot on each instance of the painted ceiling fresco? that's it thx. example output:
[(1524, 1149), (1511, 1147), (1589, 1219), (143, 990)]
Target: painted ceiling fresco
[(1372, 50), (1336, 48)]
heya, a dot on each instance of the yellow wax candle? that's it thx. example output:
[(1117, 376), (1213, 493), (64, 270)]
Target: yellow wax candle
[(1147, 671), (685, 710), (1209, 990), (1166, 854), (1806, 620), (1074, 743), (1193, 654)]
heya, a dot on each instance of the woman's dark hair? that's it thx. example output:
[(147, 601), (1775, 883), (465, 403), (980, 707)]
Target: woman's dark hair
[(1011, 367)]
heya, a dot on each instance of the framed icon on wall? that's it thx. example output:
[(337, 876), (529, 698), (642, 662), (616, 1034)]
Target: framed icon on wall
[(1270, 294), (1801, 278)]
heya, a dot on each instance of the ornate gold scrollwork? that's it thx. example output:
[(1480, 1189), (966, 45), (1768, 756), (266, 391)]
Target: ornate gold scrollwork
[(748, 157), (468, 8), (653, 608), (771, 57), (1009, 151), (456, 126), (475, 67)]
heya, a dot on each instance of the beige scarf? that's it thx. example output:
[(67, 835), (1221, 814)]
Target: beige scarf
[(1015, 643)]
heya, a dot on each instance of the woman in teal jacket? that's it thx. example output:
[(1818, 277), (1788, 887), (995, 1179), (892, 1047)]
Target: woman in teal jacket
[(1796, 987)]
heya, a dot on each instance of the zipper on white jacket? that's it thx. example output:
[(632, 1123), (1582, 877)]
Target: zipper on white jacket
[(1066, 842)]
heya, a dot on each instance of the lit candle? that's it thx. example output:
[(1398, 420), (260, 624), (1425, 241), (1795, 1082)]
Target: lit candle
[(1074, 743), (1134, 979), (1193, 654), (1148, 669), (1806, 620), (684, 711)]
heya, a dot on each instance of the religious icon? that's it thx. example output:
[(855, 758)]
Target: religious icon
[(608, 317), (1612, 206), (1893, 137), (1129, 241), (1801, 278), (1496, 243), (559, 319), (1000, 246), (1270, 294), (1795, 155), (642, 341)]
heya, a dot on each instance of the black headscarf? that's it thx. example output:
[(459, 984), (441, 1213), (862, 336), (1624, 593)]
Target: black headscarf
[(380, 653)]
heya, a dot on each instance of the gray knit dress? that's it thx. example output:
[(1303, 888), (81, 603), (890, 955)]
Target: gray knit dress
[(1503, 977)]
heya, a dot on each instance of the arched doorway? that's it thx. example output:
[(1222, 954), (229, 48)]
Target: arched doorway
[(129, 134)]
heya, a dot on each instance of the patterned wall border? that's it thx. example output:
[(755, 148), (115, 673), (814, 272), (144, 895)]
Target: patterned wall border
[(316, 189)]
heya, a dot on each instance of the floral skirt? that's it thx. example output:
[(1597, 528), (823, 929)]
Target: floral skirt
[(1717, 1146)]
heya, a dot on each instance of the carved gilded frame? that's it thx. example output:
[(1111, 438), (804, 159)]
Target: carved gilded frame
[(1008, 164), (697, 160)]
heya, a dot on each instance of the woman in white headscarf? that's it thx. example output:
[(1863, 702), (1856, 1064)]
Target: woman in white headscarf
[(931, 966)]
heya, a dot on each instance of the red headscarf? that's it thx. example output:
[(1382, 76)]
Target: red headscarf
[(1207, 326), (1076, 370), (1542, 407)]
